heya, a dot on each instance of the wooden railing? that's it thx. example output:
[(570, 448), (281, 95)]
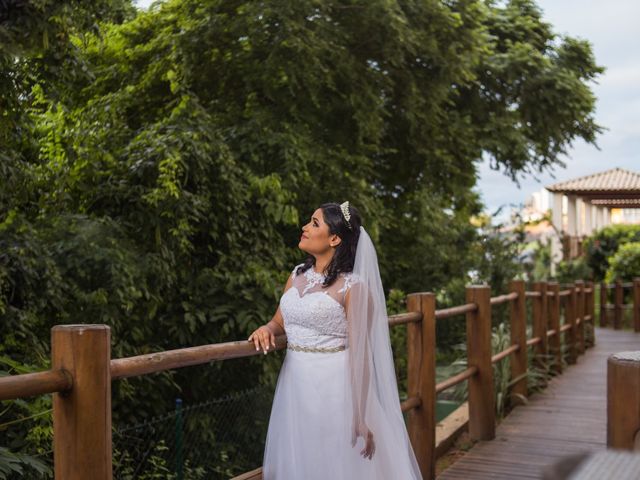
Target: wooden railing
[(616, 290), (82, 369), (548, 301)]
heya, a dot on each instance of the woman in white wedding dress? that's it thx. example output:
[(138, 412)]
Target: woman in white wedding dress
[(336, 409)]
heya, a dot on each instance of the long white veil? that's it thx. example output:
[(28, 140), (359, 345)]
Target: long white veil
[(371, 390)]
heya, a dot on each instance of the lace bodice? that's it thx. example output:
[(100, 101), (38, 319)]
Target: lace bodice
[(314, 316)]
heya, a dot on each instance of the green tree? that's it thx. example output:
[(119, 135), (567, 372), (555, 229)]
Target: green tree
[(160, 164), (602, 245), (625, 264)]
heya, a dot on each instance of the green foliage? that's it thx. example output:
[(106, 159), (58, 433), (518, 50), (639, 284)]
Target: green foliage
[(624, 264), (156, 165), (493, 259), (501, 340), (532, 93), (396, 303), (537, 375), (157, 466), (567, 271), (459, 392), (540, 269), (21, 464), (26, 429), (603, 244)]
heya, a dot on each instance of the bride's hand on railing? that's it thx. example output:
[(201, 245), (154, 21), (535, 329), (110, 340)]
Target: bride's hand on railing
[(262, 337)]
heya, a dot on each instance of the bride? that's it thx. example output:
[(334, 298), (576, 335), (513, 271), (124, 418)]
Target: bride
[(336, 409)]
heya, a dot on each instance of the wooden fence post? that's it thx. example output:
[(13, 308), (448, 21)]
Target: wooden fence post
[(518, 324), (555, 342), (580, 309), (604, 321), (572, 333), (540, 316), (623, 400), (619, 298), (421, 381), (482, 400), (636, 304), (82, 416), (591, 311)]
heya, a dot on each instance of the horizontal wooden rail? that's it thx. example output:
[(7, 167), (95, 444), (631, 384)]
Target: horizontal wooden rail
[(457, 310), (505, 353), (456, 379), (39, 383), (410, 403), (184, 357), (533, 341), (503, 298), (613, 306), (563, 293), (404, 318)]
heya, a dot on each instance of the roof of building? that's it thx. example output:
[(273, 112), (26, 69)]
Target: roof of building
[(613, 180)]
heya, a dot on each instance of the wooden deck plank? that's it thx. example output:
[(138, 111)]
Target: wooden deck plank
[(569, 416)]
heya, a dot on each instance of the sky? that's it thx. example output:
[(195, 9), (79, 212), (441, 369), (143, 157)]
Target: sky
[(611, 28)]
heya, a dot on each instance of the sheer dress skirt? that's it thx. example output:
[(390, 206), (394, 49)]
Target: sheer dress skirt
[(304, 438)]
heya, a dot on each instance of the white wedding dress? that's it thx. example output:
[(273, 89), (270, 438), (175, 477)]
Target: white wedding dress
[(308, 410)]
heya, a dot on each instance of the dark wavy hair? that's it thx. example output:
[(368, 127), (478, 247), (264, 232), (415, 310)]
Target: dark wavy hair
[(345, 254)]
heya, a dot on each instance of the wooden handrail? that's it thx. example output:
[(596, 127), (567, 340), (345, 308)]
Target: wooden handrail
[(457, 310), (39, 383), (410, 403), (505, 353), (456, 379), (404, 318), (185, 357), (503, 298)]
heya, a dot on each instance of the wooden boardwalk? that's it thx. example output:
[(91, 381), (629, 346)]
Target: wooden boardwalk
[(569, 416)]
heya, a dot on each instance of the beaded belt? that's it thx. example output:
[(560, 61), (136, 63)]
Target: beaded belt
[(302, 348)]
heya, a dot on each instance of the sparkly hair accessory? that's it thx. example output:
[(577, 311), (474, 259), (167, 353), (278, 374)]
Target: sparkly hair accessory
[(345, 213)]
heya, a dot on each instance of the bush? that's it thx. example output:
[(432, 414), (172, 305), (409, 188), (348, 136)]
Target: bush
[(625, 264), (603, 244), (570, 270)]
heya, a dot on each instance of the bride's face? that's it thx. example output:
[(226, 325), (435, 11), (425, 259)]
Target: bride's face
[(315, 238)]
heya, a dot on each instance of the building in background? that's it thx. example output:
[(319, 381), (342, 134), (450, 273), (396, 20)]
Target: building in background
[(583, 205)]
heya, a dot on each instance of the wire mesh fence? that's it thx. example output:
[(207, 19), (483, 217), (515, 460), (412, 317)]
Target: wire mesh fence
[(216, 439)]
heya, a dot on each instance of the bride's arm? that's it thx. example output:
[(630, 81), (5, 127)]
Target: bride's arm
[(275, 327), (359, 367), (276, 324)]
